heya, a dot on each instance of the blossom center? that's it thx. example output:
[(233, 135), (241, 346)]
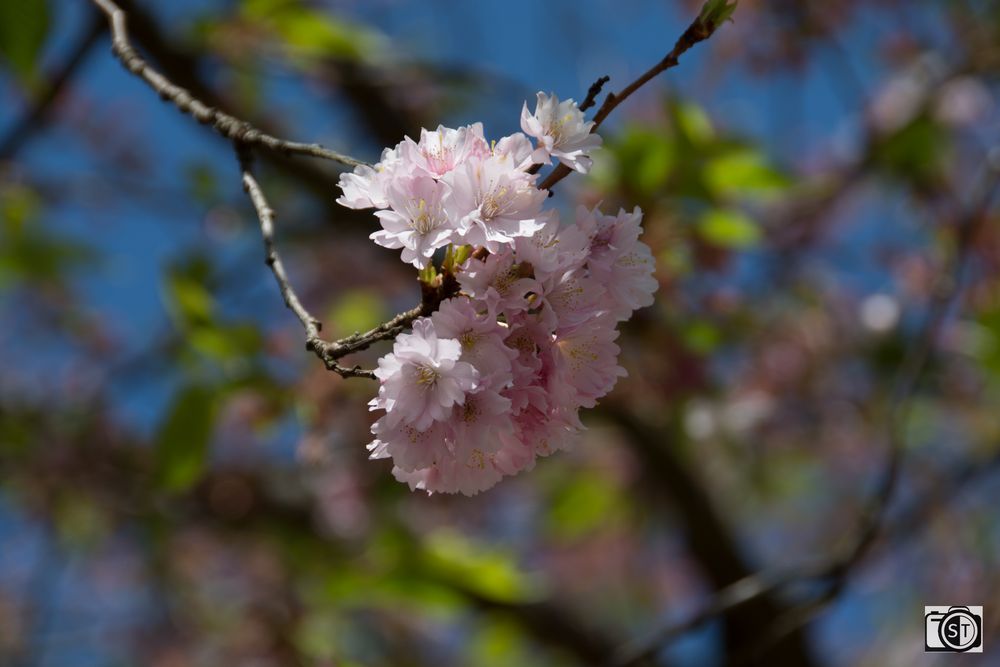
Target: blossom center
[(440, 159), (427, 376), (468, 339), (425, 219), (557, 126), (494, 203)]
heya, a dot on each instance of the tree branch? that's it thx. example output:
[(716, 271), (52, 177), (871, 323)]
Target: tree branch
[(833, 573), (329, 353), (225, 124), (746, 605), (700, 29), (873, 521), (265, 214), (592, 93), (745, 591)]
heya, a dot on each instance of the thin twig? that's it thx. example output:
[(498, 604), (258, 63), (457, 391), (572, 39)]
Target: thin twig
[(312, 326), (698, 31), (445, 287), (228, 126), (592, 93)]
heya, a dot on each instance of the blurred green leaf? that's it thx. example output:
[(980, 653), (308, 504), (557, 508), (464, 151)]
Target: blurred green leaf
[(498, 643), (486, 571), (227, 342), (917, 152), (24, 24), (644, 159), (79, 521), (183, 438), (313, 33), (728, 228), (203, 183), (316, 635), (189, 299), (357, 310), (28, 253), (743, 172), (587, 502), (692, 122), (700, 336)]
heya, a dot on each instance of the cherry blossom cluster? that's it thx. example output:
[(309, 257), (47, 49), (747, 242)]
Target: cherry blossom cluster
[(497, 375)]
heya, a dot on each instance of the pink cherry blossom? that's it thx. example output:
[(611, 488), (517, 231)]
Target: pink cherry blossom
[(518, 148), (442, 150), (571, 298), (494, 201), (619, 260), (409, 448), (497, 375), (553, 249), (365, 186), (498, 282), (481, 337), (423, 378), (415, 220), (561, 132), (587, 358)]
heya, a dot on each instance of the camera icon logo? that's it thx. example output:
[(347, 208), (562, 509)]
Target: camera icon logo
[(953, 629)]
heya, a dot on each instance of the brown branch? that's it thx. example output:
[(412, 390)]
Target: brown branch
[(835, 572), (225, 124), (592, 93), (911, 521), (873, 521), (265, 214), (746, 605), (245, 136), (699, 30), (329, 353), (748, 590)]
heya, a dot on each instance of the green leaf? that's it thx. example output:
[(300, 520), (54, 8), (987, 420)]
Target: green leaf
[(202, 182), (692, 122), (728, 228), (183, 438), (587, 503), (917, 152), (24, 25), (28, 253), (701, 337), (79, 521), (488, 572), (644, 159), (189, 299), (743, 172), (715, 12), (314, 33), (357, 310)]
